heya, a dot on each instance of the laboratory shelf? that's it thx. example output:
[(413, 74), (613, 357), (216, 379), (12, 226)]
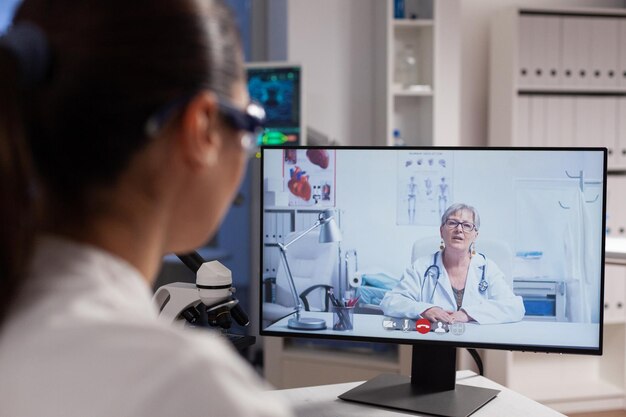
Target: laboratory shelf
[(526, 111), (423, 52), (386, 362), (403, 92), (573, 90), (415, 91), (568, 383), (615, 249), (413, 23), (614, 321), (581, 390)]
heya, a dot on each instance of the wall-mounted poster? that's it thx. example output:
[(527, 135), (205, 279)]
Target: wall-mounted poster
[(309, 177), (424, 187)]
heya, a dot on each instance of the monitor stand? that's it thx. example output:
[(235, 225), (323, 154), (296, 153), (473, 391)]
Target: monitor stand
[(431, 389)]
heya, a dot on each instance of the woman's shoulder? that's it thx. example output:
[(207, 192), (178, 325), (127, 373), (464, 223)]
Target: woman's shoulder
[(204, 369), (191, 359), (166, 339), (129, 363)]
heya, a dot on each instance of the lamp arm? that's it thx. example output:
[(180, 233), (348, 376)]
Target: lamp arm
[(292, 285), (283, 254), (317, 224)]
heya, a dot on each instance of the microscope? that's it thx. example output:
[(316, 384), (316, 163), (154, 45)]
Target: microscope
[(179, 303)]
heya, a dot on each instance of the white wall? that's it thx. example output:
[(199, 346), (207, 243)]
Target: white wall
[(333, 40), (476, 16)]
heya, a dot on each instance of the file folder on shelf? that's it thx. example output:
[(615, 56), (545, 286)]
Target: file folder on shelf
[(622, 54), (603, 57), (576, 51)]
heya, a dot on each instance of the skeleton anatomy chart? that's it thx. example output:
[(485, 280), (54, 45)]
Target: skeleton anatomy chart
[(424, 187)]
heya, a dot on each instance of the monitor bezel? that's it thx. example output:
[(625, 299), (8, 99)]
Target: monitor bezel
[(286, 65), (460, 344)]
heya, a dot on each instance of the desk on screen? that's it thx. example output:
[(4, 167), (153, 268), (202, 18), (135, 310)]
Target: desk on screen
[(525, 333)]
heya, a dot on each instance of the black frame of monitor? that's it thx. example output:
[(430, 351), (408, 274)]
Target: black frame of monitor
[(269, 65), (432, 387), (459, 344)]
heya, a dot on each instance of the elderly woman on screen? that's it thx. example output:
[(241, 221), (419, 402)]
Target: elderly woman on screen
[(455, 284)]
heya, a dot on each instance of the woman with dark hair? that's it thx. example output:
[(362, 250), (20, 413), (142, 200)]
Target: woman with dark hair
[(122, 137)]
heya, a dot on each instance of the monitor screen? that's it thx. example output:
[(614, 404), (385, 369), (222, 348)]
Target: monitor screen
[(278, 88), (469, 247)]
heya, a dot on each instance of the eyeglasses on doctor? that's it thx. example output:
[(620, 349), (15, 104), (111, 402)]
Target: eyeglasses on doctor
[(466, 226), (250, 120)]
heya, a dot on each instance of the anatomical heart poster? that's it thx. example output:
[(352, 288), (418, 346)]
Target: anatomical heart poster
[(309, 177)]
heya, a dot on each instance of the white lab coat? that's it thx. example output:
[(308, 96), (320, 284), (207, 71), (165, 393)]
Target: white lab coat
[(86, 341), (497, 304)]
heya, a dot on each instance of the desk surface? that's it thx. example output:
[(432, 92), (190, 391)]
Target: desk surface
[(526, 333), (322, 401)]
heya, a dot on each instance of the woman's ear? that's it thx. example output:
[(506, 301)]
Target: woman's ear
[(198, 136)]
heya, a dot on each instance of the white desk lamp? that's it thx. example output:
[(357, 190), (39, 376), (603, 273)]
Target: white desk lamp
[(329, 232)]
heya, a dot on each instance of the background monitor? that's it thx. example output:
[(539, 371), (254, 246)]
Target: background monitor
[(278, 87), (534, 281)]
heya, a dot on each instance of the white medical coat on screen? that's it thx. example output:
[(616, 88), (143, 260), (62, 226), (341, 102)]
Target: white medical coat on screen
[(498, 304)]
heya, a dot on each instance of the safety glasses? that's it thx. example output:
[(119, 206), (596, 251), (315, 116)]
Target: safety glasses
[(250, 120)]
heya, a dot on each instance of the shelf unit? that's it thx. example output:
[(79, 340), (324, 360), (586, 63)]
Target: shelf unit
[(421, 101), (293, 365), (558, 78), (426, 115), (575, 383), (278, 223), (567, 383)]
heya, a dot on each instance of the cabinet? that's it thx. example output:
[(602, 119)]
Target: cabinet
[(289, 364), (278, 223), (574, 383), (616, 206), (558, 78), (418, 72)]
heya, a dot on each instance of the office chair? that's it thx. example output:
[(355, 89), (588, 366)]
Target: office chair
[(313, 266)]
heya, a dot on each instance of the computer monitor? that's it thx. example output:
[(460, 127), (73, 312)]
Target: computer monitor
[(278, 88), (494, 248)]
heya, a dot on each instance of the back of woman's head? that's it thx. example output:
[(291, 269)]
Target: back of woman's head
[(112, 64)]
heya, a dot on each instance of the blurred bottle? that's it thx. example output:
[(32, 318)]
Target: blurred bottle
[(400, 75), (397, 138), (410, 71), (398, 9)]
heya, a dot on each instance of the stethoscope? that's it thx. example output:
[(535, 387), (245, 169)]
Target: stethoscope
[(433, 272)]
